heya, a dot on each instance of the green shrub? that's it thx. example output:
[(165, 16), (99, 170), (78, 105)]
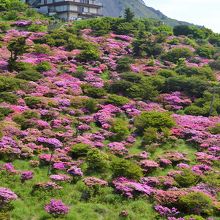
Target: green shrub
[(202, 106), (24, 119), (79, 150), (80, 73), (154, 49), (91, 105), (195, 32), (196, 203), (215, 39), (149, 136), (125, 28), (120, 129), (119, 86), (175, 54), (29, 75), (123, 64), (121, 167), (212, 179), (192, 86), (206, 51), (11, 15), (32, 102), (22, 66), (4, 112), (215, 64), (97, 160), (193, 217), (78, 102), (8, 97), (43, 66), (201, 72), (37, 28), (8, 84), (11, 5), (94, 92), (41, 49), (158, 120), (142, 90), (195, 110), (76, 42), (117, 100), (89, 54), (215, 129), (131, 77), (166, 73), (187, 178), (4, 27), (30, 114)]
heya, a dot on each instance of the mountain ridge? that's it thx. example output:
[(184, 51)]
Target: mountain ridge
[(115, 8)]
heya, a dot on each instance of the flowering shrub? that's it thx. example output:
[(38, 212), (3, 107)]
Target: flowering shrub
[(6, 195), (169, 197), (60, 178), (130, 188), (50, 142), (175, 101), (93, 181), (165, 211), (26, 175), (75, 171), (56, 208), (69, 103)]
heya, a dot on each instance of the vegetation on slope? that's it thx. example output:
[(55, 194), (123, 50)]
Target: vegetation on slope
[(108, 118)]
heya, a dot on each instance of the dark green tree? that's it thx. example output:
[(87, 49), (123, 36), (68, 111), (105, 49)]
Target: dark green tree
[(17, 47), (128, 15)]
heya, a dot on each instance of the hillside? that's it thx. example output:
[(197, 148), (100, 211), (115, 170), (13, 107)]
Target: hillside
[(107, 118), (115, 8)]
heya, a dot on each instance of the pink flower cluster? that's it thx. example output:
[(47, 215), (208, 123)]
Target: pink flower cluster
[(175, 101), (130, 188), (57, 208), (6, 195)]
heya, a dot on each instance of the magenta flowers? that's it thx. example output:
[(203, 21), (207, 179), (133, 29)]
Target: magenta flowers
[(57, 208), (6, 195)]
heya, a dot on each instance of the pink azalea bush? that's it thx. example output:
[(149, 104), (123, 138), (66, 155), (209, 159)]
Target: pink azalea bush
[(56, 208)]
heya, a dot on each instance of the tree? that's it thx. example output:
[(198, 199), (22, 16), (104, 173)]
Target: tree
[(128, 15), (17, 47)]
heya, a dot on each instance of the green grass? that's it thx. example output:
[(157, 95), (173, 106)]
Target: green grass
[(105, 205)]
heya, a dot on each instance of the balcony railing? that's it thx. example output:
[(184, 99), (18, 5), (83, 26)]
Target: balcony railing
[(60, 2)]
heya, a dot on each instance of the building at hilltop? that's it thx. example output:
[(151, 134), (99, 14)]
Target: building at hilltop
[(68, 10)]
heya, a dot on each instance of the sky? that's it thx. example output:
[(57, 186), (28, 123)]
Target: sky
[(200, 12)]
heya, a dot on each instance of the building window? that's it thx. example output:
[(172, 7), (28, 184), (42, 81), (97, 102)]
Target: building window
[(84, 1), (61, 8)]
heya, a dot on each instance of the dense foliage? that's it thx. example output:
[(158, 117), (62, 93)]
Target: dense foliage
[(107, 118)]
